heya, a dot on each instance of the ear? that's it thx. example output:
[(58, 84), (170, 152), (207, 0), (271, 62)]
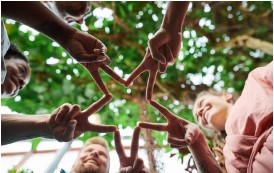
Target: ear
[(228, 97)]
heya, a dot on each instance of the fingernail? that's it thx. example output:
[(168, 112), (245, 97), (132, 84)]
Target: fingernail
[(101, 58)]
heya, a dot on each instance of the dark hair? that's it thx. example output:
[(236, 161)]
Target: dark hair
[(14, 52), (75, 8)]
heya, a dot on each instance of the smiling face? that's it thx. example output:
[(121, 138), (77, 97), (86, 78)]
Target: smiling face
[(211, 111), (18, 75), (71, 11), (93, 159)]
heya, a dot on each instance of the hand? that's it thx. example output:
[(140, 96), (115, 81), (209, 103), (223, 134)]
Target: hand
[(85, 47), (181, 133), (131, 164), (170, 42), (148, 64), (68, 122), (93, 69)]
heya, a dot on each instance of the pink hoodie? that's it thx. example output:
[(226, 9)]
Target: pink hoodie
[(249, 141)]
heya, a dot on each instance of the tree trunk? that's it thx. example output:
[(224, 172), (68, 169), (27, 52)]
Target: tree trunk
[(148, 138)]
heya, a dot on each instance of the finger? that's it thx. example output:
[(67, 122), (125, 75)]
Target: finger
[(54, 114), (101, 128), (153, 47), (88, 58), (107, 61), (99, 51), (118, 145), (126, 170), (138, 165), (176, 141), (163, 110), (135, 142), (112, 74), (64, 109), (74, 111), (97, 78), (139, 70), (97, 105), (175, 146), (101, 46), (169, 56), (153, 126), (191, 136), (69, 131), (162, 67), (150, 84)]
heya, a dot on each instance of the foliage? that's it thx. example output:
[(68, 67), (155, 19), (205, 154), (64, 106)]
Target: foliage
[(203, 62)]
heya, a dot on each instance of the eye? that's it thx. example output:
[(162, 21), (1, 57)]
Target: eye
[(69, 20)]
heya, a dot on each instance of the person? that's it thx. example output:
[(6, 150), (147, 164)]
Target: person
[(70, 11), (170, 33), (93, 157), (65, 124), (248, 124), (132, 163), (81, 46), (18, 72)]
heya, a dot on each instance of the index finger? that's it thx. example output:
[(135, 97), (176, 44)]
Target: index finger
[(118, 145), (97, 105), (163, 110), (101, 128), (135, 142), (153, 126)]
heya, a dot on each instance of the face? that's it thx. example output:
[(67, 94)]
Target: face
[(211, 111), (17, 77), (93, 159), (68, 17)]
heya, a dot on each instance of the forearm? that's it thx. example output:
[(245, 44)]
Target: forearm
[(37, 16), (175, 15), (21, 127), (203, 156)]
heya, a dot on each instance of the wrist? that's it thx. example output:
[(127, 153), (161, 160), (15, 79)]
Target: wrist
[(171, 28), (44, 127), (199, 142)]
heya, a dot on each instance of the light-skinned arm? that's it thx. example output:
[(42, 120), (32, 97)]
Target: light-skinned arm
[(182, 133)]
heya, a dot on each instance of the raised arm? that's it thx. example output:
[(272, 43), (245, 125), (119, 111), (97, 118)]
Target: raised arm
[(182, 133), (169, 34), (37, 16)]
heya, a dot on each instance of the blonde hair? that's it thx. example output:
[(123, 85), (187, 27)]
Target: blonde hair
[(96, 140)]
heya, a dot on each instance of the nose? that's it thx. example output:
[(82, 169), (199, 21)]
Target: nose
[(94, 153)]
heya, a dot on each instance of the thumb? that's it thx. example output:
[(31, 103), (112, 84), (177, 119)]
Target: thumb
[(86, 58), (69, 131)]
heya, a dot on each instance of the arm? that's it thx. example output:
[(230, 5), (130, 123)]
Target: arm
[(22, 127), (169, 34), (81, 46), (203, 156), (182, 133), (175, 15), (39, 17)]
